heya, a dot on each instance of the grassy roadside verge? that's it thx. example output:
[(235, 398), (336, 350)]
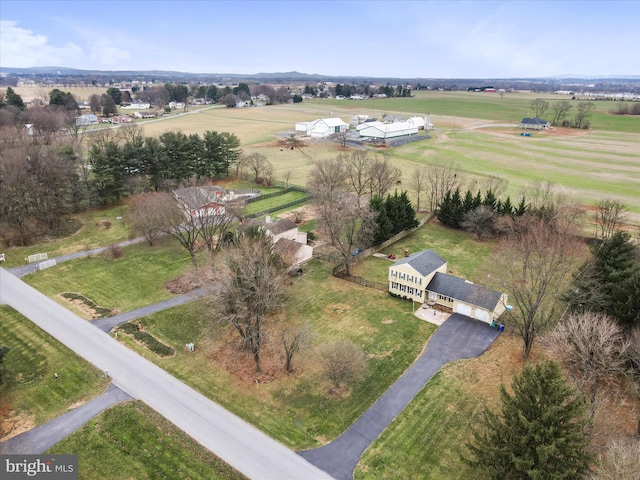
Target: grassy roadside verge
[(30, 387), (130, 440)]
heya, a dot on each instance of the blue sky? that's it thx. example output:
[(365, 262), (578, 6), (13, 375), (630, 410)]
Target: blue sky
[(409, 39)]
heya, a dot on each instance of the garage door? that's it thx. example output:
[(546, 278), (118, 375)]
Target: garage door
[(482, 315), (463, 309)]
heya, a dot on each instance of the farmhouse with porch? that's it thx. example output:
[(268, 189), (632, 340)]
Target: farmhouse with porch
[(422, 277)]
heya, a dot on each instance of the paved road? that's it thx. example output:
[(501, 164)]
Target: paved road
[(235, 441), (457, 338), (107, 323), (45, 436)]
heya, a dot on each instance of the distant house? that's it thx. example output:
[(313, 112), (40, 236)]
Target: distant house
[(120, 119), (145, 114), (422, 277), (534, 124), (199, 202), (288, 241), (86, 119), (136, 106), (322, 128)]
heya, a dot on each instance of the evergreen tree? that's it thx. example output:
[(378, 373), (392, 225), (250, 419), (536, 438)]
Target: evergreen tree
[(384, 226), (507, 208), (490, 199), (610, 282), (467, 204), (477, 200), (408, 213), (539, 432), (13, 99), (521, 209)]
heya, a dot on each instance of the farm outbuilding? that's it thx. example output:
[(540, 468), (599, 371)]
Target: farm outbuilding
[(322, 127), (387, 130)]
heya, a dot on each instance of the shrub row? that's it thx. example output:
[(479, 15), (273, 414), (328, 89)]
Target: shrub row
[(157, 347)]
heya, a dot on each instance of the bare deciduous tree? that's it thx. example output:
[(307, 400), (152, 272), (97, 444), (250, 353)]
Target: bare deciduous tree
[(343, 362), (418, 183), (537, 258), (583, 112), (441, 178), (496, 184), (357, 167), (295, 337), (592, 347), (256, 163), (620, 460), (146, 216), (609, 216), (538, 107), (480, 221), (178, 223), (328, 184), (560, 111), (250, 285), (383, 176)]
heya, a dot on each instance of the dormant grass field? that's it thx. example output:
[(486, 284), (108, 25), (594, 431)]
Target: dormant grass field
[(587, 165)]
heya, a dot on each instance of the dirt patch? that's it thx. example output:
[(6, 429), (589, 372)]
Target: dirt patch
[(194, 278), (229, 354), (14, 424)]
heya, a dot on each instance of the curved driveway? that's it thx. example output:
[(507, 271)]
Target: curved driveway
[(457, 338), (235, 441)]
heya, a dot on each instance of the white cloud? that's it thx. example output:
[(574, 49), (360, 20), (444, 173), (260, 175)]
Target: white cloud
[(20, 47)]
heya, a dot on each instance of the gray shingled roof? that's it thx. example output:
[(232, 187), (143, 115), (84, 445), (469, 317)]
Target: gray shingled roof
[(196, 197), (424, 262), (534, 121), (275, 228), (463, 291)]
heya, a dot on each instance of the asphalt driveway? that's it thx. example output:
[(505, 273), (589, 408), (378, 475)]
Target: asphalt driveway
[(45, 436), (457, 338)]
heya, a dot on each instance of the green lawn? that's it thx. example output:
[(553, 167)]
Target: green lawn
[(297, 409), (131, 441), (85, 235), (135, 280), (30, 386), (466, 257), (426, 440), (273, 202)]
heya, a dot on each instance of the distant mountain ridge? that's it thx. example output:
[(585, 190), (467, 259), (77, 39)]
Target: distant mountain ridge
[(293, 75)]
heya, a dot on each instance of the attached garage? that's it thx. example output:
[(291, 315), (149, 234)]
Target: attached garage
[(463, 309), (466, 298), (482, 315)]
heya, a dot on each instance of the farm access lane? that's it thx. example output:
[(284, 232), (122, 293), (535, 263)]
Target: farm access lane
[(235, 441)]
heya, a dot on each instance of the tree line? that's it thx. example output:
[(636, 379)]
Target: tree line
[(123, 168)]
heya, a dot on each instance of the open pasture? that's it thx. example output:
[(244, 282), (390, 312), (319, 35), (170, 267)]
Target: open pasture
[(589, 165), (81, 94)]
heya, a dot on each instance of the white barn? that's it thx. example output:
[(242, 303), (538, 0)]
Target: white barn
[(322, 128), (387, 130)]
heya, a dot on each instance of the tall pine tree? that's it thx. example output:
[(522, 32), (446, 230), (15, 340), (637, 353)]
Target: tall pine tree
[(539, 432)]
